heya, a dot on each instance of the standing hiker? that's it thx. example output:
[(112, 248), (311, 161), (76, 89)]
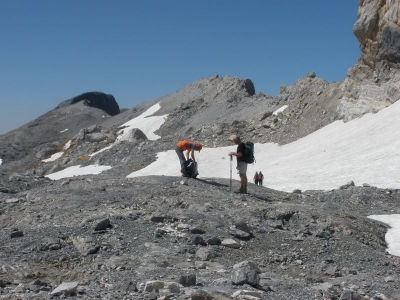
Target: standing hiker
[(256, 179), (241, 164), (260, 178), (189, 147)]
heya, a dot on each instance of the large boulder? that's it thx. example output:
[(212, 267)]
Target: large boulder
[(98, 100), (378, 31)]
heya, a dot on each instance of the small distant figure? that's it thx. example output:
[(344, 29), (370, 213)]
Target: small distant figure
[(260, 178), (189, 147), (255, 178)]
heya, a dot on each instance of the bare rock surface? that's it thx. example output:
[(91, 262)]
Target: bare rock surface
[(325, 243)]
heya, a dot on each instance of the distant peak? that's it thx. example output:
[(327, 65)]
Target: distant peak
[(105, 102)]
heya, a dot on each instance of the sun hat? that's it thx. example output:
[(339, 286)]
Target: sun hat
[(233, 137)]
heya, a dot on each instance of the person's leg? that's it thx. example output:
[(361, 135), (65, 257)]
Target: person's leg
[(240, 175), (242, 181), (182, 160)]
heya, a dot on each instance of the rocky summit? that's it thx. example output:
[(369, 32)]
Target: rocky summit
[(102, 235)]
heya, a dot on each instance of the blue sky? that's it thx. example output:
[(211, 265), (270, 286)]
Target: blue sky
[(140, 50)]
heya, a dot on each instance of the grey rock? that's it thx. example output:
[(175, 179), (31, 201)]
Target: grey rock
[(137, 135), (214, 241), (200, 295), (241, 225), (230, 243), (207, 253), (249, 264), (276, 224), (161, 219), (198, 240), (103, 225), (85, 245), (348, 295), (16, 234), (347, 185), (95, 137), (245, 275), (246, 294), (196, 230), (66, 288), (239, 234), (311, 75), (188, 280), (265, 115)]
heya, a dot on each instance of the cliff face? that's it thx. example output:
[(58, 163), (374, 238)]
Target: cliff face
[(372, 84), (378, 31)]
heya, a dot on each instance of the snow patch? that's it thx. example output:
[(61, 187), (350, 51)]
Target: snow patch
[(57, 155), (393, 234), (63, 130), (77, 171), (280, 110), (146, 123), (104, 149), (54, 157), (365, 150), (67, 145)]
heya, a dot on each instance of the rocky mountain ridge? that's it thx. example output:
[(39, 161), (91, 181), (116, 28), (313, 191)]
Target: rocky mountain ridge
[(161, 237)]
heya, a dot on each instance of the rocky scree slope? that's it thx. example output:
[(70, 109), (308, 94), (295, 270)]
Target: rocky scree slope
[(23, 147), (153, 237)]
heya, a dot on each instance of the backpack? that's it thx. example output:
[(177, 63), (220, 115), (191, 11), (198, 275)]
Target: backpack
[(191, 168), (249, 153)]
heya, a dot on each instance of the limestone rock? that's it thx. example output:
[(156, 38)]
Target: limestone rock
[(137, 135), (245, 294), (230, 243), (378, 31), (66, 288), (207, 253), (200, 295), (85, 245)]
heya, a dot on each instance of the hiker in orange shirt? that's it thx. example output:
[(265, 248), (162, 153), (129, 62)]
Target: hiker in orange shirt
[(189, 147)]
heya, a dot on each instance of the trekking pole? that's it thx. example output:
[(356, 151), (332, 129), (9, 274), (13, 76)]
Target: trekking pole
[(230, 181)]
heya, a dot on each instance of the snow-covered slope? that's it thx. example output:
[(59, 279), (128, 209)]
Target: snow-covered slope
[(365, 150)]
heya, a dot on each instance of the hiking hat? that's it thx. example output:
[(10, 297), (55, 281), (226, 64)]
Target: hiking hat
[(233, 137), (199, 146)]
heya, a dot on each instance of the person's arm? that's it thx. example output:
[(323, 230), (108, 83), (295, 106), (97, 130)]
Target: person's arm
[(237, 154), (192, 154), (187, 154)]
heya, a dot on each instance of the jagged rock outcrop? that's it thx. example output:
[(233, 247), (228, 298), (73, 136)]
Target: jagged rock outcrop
[(378, 31), (372, 84), (98, 100)]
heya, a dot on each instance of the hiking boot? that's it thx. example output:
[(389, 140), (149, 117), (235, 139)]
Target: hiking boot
[(239, 191), (184, 173), (245, 190)]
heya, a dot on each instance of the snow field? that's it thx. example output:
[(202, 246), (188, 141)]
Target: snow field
[(78, 170), (393, 234), (365, 150)]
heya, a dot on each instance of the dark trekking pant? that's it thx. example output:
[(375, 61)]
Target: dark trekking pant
[(182, 158)]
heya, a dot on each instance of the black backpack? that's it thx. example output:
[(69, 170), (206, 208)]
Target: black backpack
[(191, 168), (249, 153)]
